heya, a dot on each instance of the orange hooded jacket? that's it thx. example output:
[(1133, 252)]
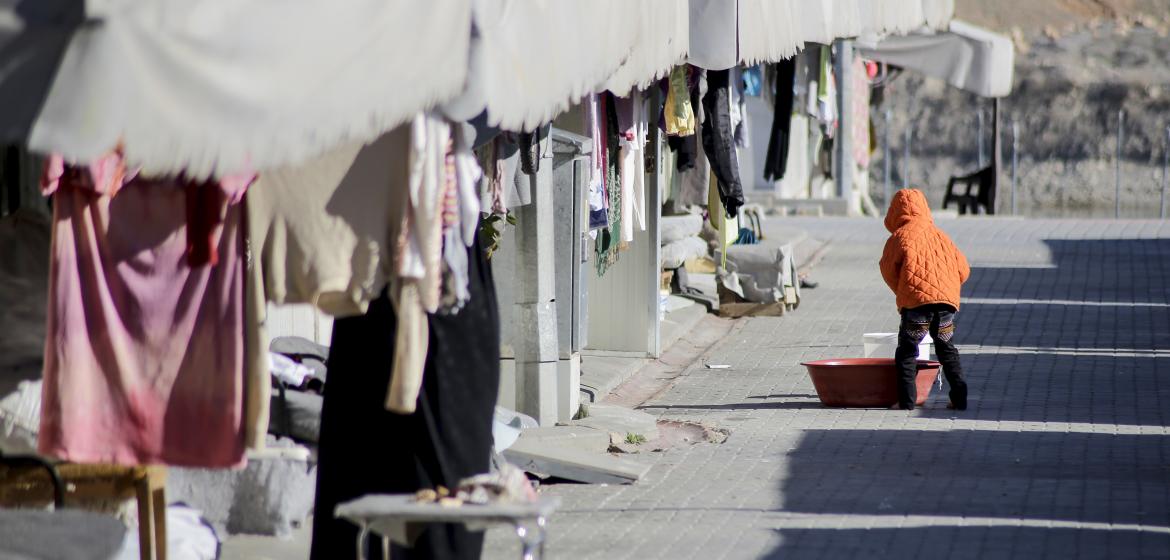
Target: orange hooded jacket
[(920, 263)]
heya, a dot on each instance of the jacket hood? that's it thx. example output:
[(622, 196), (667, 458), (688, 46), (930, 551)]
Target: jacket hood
[(909, 205)]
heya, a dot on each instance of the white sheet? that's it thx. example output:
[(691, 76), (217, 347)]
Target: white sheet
[(724, 33), (206, 86), (965, 56), (534, 59)]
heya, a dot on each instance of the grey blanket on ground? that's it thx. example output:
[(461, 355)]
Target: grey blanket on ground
[(762, 271), (675, 228), (675, 253)]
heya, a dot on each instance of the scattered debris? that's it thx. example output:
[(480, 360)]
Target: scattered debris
[(718, 366), (508, 485)]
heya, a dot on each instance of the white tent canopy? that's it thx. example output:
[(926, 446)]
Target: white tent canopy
[(215, 86), (212, 86), (965, 56), (663, 40), (724, 33), (532, 60)]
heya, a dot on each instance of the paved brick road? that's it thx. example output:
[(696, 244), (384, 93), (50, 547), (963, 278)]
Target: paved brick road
[(1064, 453)]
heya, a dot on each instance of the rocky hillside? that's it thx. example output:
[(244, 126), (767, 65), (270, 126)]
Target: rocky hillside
[(1078, 63)]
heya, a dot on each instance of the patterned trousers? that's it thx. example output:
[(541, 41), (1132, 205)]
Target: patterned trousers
[(939, 320)]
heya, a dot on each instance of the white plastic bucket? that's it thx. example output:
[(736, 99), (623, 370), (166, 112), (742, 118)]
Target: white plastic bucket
[(883, 345)]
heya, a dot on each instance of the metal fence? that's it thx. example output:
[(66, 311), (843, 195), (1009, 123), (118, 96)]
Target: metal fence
[(1124, 174)]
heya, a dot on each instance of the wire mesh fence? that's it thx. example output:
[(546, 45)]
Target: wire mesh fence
[(1087, 165)]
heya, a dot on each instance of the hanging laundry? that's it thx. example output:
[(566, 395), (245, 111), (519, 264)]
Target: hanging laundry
[(140, 345), (417, 287), (320, 234), (448, 437), (753, 80), (776, 159), (598, 216), (859, 113), (608, 243), (422, 235), (693, 166), (679, 115), (529, 152), (684, 150), (739, 114), (493, 170), (460, 219), (726, 225), (718, 141), (826, 98), (634, 128)]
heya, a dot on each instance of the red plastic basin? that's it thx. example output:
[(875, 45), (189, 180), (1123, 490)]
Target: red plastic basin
[(865, 382)]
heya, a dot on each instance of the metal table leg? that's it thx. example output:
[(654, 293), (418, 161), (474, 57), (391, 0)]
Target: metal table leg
[(532, 544)]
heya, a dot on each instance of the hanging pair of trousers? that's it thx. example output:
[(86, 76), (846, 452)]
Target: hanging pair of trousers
[(939, 320), (718, 137), (776, 158), (366, 449)]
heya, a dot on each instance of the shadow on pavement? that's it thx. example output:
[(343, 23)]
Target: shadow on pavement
[(1093, 270), (1037, 476), (1087, 340), (969, 542), (738, 406)]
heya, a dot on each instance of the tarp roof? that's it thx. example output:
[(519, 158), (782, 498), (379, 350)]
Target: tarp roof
[(211, 86), (965, 56), (724, 33)]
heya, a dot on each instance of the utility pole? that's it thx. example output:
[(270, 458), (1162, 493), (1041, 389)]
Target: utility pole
[(843, 164), (1117, 164)]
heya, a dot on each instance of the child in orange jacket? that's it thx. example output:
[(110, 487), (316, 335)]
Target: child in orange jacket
[(925, 270)]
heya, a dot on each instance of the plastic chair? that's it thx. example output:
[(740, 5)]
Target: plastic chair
[(983, 181)]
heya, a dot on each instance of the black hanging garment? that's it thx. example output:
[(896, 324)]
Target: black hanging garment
[(684, 149), (367, 449), (776, 161), (719, 140)]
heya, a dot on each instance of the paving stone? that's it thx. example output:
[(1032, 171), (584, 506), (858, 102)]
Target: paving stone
[(580, 437), (1063, 453), (610, 418)]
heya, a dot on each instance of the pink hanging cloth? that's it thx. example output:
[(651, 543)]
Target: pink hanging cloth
[(144, 351)]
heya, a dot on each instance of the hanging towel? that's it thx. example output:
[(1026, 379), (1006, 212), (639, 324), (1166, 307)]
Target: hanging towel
[(140, 346), (632, 125)]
